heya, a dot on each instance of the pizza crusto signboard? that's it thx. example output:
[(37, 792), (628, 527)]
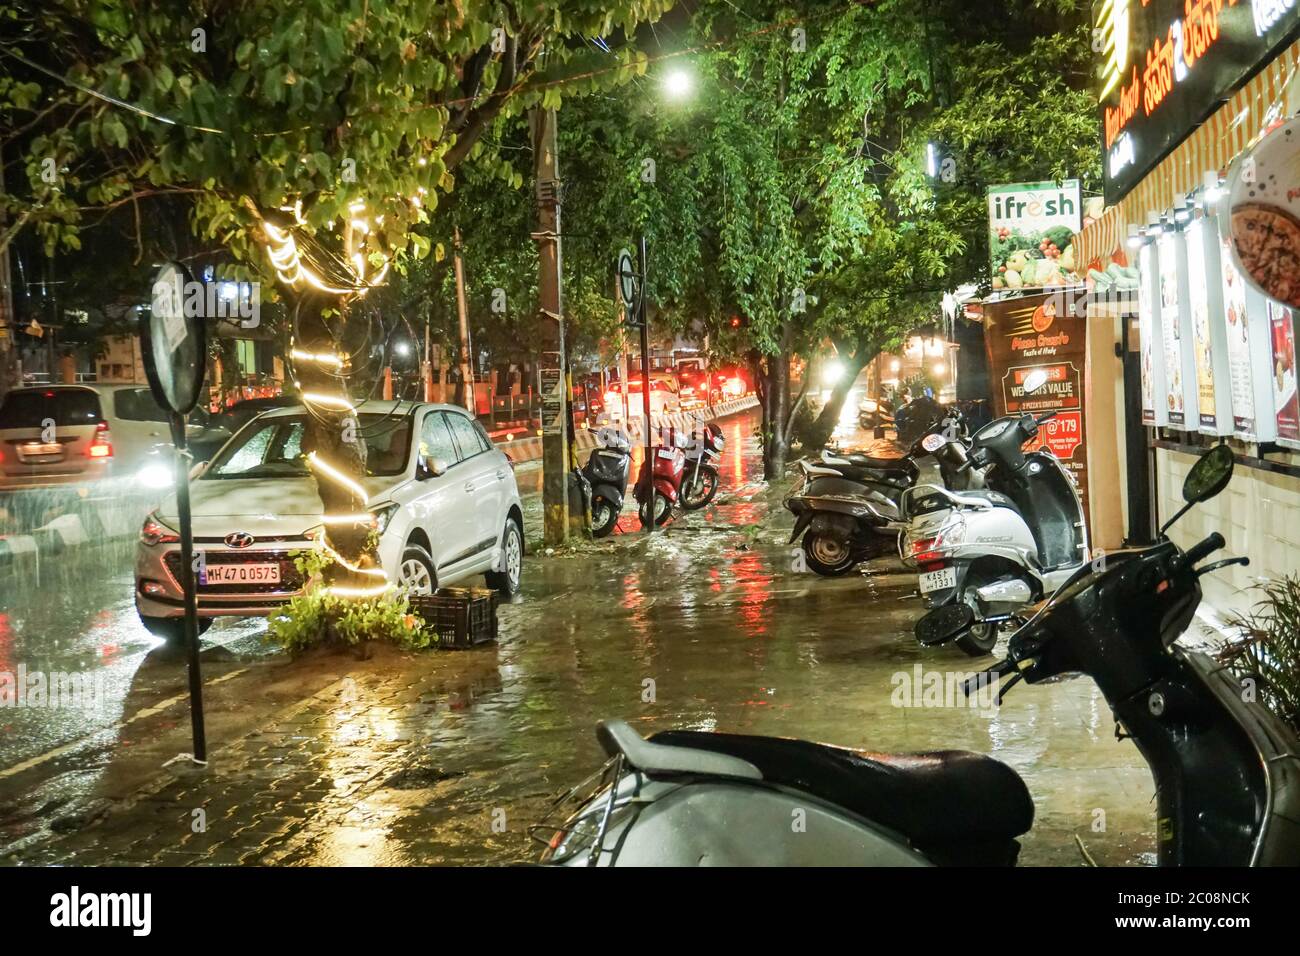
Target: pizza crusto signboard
[(1049, 332), (1167, 64)]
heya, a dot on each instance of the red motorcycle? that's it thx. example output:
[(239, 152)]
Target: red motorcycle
[(667, 468)]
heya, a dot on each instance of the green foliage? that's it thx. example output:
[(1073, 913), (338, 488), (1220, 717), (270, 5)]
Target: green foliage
[(326, 102), (315, 617), (1268, 651)]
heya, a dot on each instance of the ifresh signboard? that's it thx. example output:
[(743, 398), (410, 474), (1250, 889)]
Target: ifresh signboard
[(1166, 65), (1030, 229)]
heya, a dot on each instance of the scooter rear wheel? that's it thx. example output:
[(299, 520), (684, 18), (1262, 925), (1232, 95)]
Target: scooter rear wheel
[(604, 516), (827, 556), (980, 639)]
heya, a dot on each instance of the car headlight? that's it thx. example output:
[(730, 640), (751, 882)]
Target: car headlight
[(156, 475), (383, 515), (154, 532)]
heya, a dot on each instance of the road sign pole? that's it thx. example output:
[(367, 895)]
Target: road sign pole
[(188, 585), (645, 386)]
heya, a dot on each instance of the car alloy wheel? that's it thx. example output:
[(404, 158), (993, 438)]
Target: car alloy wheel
[(415, 573)]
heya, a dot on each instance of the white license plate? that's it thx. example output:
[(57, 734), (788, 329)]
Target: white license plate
[(241, 574), (938, 580), (40, 450), (666, 453)]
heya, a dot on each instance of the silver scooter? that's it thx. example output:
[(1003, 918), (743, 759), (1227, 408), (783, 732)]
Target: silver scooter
[(1000, 548), (1226, 771)]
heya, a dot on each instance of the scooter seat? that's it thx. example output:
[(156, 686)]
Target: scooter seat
[(880, 464), (937, 800)]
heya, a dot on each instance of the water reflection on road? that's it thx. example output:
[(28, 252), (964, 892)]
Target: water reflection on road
[(707, 625)]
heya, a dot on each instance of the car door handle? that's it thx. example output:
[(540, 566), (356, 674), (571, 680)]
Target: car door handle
[(469, 487), (501, 476)]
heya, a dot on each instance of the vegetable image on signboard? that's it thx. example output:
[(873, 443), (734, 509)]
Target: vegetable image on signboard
[(1264, 211)]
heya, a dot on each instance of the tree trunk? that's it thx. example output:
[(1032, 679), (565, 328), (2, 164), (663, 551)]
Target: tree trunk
[(335, 437), (772, 373), (819, 431)]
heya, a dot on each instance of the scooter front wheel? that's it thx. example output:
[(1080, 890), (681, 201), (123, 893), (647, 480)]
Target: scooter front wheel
[(827, 556), (604, 516), (698, 490), (663, 511), (979, 639)]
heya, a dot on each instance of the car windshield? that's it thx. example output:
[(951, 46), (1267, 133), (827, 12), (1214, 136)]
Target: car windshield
[(30, 408), (272, 448)]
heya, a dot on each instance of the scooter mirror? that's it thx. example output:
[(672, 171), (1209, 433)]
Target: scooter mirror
[(1034, 381), (1210, 475)]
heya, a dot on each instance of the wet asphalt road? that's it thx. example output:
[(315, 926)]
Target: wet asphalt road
[(706, 626)]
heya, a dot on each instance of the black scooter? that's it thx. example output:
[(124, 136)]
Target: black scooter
[(1227, 772), (607, 472)]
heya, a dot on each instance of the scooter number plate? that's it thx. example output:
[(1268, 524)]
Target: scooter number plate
[(939, 580), (666, 453)]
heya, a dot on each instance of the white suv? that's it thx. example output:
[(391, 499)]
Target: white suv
[(444, 499)]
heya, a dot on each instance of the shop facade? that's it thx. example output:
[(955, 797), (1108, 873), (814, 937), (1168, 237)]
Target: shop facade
[(1199, 353)]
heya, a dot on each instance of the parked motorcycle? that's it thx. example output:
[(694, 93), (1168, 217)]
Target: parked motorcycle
[(700, 484), (607, 472), (1226, 771), (875, 414), (665, 468), (1003, 547), (847, 506)]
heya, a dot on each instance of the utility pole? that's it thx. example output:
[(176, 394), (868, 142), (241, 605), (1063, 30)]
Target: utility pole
[(466, 363), (8, 348), (554, 377)]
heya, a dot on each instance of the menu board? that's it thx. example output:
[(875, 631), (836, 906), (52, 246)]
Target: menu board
[(1236, 321), (1208, 341), (1281, 323), (1150, 348), (1171, 331)]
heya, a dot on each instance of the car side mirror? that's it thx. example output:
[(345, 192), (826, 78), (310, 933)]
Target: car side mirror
[(432, 467)]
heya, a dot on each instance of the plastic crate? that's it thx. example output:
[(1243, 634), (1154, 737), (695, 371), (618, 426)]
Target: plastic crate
[(458, 617)]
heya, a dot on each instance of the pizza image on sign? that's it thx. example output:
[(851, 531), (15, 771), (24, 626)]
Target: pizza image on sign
[(1264, 214), (1267, 240)]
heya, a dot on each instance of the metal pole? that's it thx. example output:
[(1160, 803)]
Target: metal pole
[(645, 385), (187, 583)]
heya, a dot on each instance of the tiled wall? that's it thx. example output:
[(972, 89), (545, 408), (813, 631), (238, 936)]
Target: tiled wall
[(1258, 514)]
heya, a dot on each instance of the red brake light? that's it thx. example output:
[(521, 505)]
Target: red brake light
[(102, 446), (926, 550)]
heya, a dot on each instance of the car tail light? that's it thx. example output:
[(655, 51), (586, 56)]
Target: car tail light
[(102, 445)]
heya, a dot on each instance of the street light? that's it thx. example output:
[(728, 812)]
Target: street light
[(678, 84)]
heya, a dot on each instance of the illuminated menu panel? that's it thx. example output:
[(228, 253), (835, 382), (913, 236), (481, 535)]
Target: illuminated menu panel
[(1150, 349), (1286, 401), (1236, 321), (1166, 65), (1172, 301)]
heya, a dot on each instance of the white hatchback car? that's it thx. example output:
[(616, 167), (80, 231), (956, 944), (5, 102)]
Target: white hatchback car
[(444, 499)]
